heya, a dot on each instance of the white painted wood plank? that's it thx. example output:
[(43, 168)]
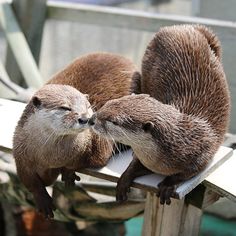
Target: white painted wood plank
[(10, 114), (119, 163), (222, 180), (11, 111), (223, 154), (19, 46)]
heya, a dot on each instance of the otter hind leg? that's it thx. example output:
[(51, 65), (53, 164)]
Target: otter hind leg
[(44, 202), (167, 188), (35, 183), (135, 169)]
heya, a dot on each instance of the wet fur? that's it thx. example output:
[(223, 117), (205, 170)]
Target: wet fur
[(177, 130), (39, 160), (181, 68)]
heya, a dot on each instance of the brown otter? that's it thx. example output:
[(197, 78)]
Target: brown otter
[(51, 136), (179, 128)]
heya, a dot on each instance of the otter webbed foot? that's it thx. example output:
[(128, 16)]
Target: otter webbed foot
[(167, 190), (69, 177), (135, 169), (123, 188), (44, 204)]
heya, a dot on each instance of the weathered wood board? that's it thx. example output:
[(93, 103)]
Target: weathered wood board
[(222, 179), (119, 163), (11, 111), (126, 18)]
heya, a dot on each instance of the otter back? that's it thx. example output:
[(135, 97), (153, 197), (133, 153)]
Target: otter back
[(182, 67)]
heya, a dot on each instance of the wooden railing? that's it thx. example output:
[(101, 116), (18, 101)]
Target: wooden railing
[(89, 14), (131, 19)]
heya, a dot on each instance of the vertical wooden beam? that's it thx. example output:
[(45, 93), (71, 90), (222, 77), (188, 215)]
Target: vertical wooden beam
[(178, 219), (191, 221), (31, 17)]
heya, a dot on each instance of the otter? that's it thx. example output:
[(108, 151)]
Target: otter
[(177, 127), (52, 135)]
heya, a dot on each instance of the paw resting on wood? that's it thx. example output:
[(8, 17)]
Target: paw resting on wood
[(122, 189), (166, 191)]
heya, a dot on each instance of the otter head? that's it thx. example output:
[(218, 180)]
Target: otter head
[(60, 109), (128, 120)]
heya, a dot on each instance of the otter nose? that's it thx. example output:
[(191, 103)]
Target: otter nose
[(83, 120), (91, 121)]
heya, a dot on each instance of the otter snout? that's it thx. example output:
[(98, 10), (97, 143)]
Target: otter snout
[(83, 120), (91, 121)]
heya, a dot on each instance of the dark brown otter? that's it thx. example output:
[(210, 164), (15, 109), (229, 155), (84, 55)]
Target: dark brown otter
[(179, 128), (52, 136)]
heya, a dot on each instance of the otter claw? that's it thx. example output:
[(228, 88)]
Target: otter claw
[(45, 205), (69, 177), (121, 194), (122, 190), (47, 211), (165, 193)]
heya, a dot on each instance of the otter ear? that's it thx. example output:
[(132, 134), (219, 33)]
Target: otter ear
[(148, 126), (86, 95), (36, 102)]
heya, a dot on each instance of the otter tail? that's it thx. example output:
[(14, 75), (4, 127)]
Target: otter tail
[(212, 39)]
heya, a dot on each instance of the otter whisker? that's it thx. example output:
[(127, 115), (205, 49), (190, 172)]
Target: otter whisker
[(128, 138), (111, 145), (115, 144), (50, 136), (63, 135), (93, 106)]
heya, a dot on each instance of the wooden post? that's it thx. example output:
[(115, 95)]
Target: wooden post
[(177, 219), (31, 16), (181, 218)]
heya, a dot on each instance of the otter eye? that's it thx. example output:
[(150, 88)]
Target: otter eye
[(65, 108), (148, 126)]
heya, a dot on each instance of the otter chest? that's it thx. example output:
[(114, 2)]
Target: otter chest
[(52, 154), (154, 161)]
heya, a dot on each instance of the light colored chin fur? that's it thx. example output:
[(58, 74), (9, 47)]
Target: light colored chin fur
[(70, 131)]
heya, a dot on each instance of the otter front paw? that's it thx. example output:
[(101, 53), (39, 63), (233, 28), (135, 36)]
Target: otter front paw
[(44, 204), (122, 189), (69, 177), (166, 190)]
